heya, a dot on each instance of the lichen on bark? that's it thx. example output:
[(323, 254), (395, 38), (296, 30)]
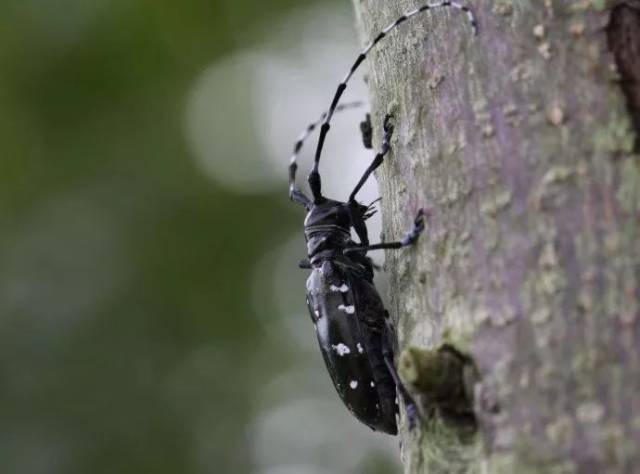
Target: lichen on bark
[(521, 143)]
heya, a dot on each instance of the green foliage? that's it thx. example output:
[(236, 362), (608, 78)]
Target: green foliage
[(120, 264)]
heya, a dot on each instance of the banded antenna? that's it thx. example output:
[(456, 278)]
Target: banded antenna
[(314, 176)]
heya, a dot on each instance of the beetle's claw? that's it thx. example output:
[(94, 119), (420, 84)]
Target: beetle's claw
[(389, 124), (419, 221), (367, 132), (413, 418)]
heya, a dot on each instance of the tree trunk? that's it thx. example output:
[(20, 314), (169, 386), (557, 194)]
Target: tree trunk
[(521, 144)]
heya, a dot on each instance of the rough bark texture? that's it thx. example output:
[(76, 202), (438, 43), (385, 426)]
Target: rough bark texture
[(521, 143)]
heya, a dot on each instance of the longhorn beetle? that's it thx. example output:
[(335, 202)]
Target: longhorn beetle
[(351, 323)]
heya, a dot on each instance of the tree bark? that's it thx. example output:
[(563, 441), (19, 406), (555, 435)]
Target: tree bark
[(521, 143)]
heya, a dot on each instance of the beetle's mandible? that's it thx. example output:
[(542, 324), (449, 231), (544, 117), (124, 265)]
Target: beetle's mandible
[(352, 325)]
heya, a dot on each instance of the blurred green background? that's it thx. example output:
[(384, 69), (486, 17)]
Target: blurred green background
[(152, 318)]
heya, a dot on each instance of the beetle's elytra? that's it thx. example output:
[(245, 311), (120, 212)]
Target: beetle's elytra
[(351, 323)]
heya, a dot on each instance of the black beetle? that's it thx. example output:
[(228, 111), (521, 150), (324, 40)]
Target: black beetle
[(352, 325)]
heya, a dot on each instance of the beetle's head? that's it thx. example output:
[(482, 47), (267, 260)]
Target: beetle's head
[(328, 213), (340, 214), (360, 212)]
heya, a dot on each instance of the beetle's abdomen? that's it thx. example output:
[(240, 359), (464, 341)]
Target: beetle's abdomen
[(349, 335)]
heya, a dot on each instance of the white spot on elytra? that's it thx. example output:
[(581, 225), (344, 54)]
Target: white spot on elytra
[(341, 349), (353, 384), (373, 384), (343, 289), (360, 349), (347, 309)]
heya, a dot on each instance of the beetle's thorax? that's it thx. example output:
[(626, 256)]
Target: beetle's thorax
[(327, 229)]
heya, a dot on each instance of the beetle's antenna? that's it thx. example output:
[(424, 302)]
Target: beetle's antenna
[(314, 176), (294, 193)]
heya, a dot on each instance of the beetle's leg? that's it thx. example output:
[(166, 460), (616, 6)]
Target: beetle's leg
[(387, 354), (409, 239), (377, 160), (304, 263), (367, 132)]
